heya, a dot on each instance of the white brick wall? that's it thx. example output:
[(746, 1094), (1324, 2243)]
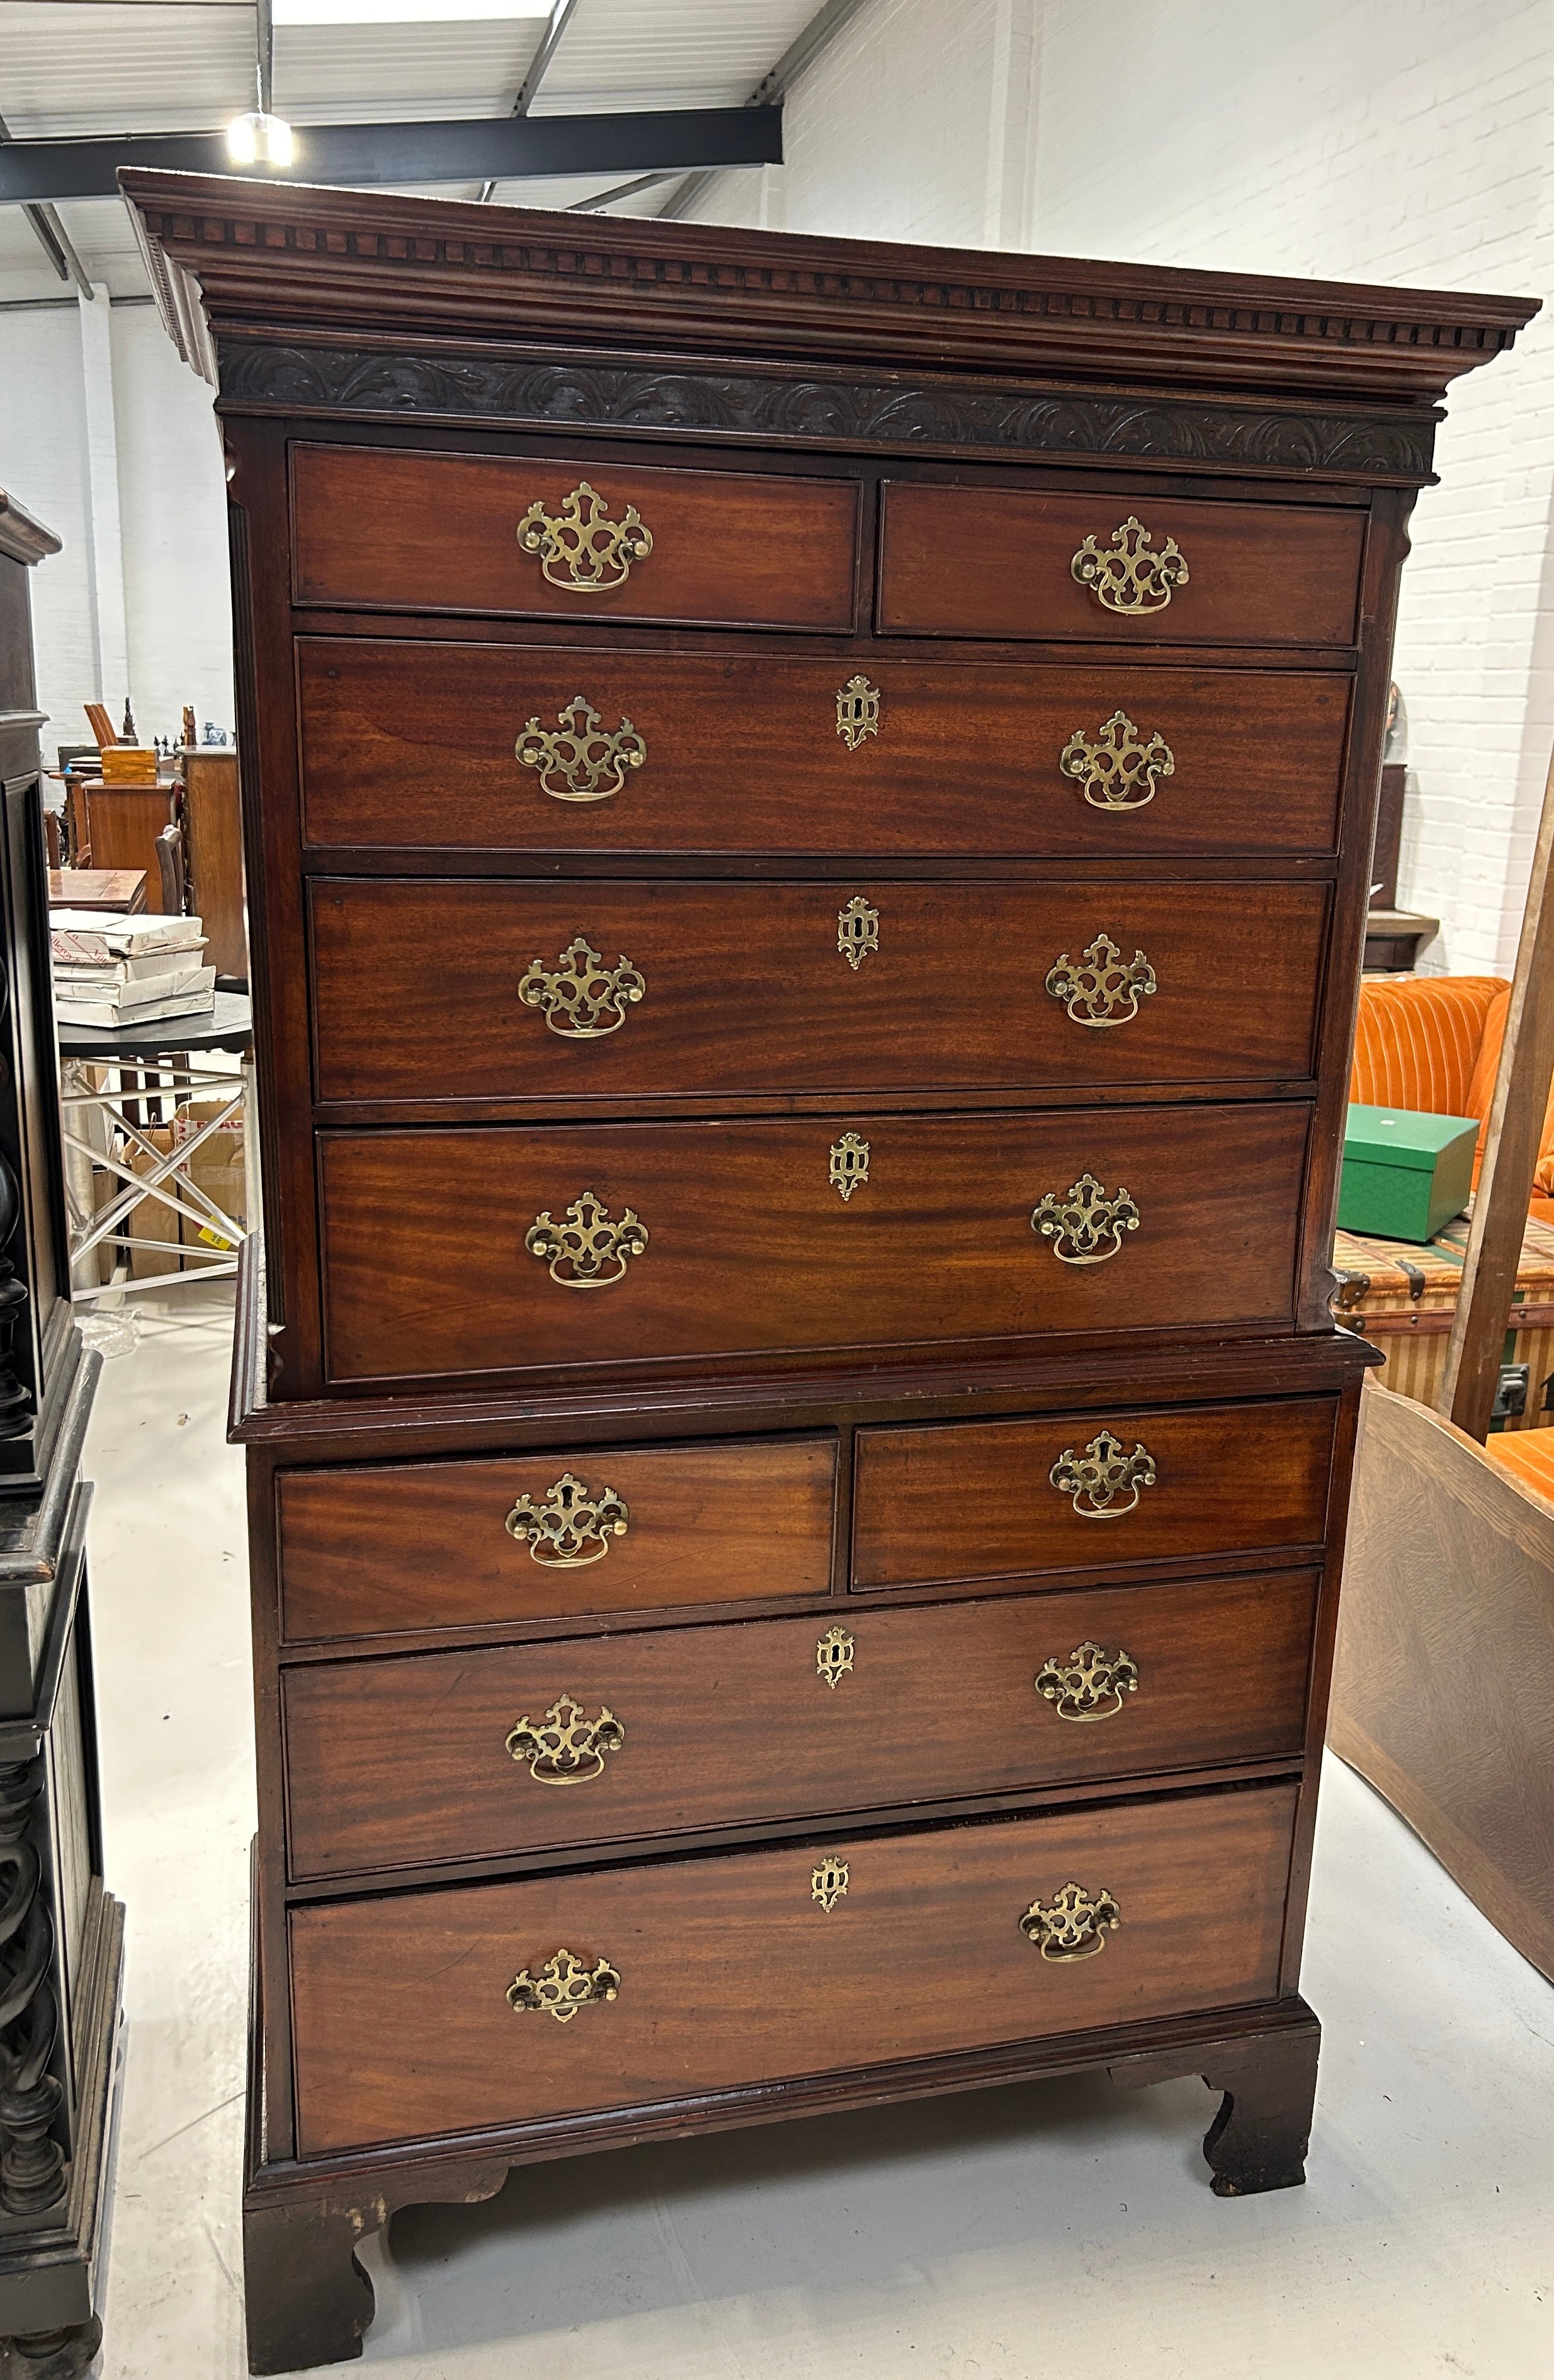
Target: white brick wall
[(1405, 140)]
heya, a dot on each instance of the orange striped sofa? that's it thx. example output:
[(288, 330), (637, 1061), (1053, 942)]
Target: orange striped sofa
[(1432, 1043)]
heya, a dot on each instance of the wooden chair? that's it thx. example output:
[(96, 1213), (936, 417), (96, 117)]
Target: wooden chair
[(170, 867)]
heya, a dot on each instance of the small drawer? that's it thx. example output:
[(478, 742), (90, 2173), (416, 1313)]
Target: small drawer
[(414, 744), (456, 1756), (693, 1976), (1012, 561), (499, 990), (370, 1551), (760, 1237), (1011, 1499), (581, 541)]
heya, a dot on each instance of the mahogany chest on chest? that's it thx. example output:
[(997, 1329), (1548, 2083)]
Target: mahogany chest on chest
[(808, 818)]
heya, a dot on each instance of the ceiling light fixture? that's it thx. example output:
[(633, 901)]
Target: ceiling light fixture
[(403, 12), (261, 137)]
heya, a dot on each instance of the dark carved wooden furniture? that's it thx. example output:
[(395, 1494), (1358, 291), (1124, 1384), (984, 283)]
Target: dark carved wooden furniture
[(61, 1935), (799, 1451)]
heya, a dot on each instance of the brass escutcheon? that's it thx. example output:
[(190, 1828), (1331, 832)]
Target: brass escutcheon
[(829, 1883), (1097, 988), (833, 1655), (857, 712), (1073, 1925), (1103, 1482), (1081, 1221), (587, 1251), (581, 998), (1127, 575), (578, 762), (857, 931), (581, 548), (1090, 1684), (563, 1748), (571, 1518), (1118, 769), (849, 1164), (562, 1986)]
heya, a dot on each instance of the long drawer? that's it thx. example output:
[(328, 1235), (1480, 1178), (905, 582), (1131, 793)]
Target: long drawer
[(369, 1549), (1023, 562), (461, 1755), (416, 745), (584, 540), (453, 2012), (465, 990), (940, 1502), (512, 1248)]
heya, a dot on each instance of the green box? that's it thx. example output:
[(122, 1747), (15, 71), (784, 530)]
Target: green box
[(1404, 1175)]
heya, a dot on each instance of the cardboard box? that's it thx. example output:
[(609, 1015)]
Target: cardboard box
[(151, 1220), (216, 1166), (1404, 1175)]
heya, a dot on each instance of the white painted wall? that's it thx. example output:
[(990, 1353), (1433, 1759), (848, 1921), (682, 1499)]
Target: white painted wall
[(158, 452), (1403, 141)]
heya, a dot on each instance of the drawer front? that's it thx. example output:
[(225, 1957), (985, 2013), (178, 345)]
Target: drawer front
[(732, 1972), (544, 539), (1004, 562), (480, 990), (736, 1237), (963, 1501), (368, 1550), (415, 744), (456, 1755)]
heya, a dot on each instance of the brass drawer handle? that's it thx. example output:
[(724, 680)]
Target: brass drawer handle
[(1098, 990), (584, 550), (1084, 1218), (562, 1986), (1127, 575), (1090, 1684), (857, 931), (558, 1532), (587, 1251), (1105, 1483), (857, 712), (1074, 1924), (849, 1164), (1118, 769), (829, 1883), (833, 1656), (577, 760), (582, 999), (563, 1748)]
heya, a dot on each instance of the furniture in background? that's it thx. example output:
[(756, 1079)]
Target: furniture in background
[(118, 891), (170, 867), (928, 1359), (1394, 939), (124, 822), (1402, 1299), (1432, 1044), (61, 1935), (213, 850), (1389, 835)]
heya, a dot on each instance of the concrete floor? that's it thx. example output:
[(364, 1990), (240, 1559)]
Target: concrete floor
[(1057, 2227)]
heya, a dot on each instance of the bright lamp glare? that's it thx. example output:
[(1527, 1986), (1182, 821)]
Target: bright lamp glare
[(257, 140)]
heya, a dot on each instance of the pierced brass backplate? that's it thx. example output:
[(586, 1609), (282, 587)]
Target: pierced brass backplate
[(857, 712), (1073, 1925), (1103, 1482), (578, 762), (1097, 988), (829, 1883), (1086, 1223), (571, 1520), (581, 548), (563, 1748), (833, 1655), (562, 1986), (1090, 1684), (857, 931), (587, 1251), (1127, 575), (581, 998), (849, 1164), (1119, 768)]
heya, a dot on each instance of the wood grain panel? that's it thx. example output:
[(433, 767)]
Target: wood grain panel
[(408, 743), (416, 987), (752, 1250), (403, 1761), (998, 562), (439, 532), (975, 1500), (368, 1549), (732, 1972)]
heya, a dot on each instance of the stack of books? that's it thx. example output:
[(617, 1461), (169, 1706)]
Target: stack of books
[(117, 971)]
